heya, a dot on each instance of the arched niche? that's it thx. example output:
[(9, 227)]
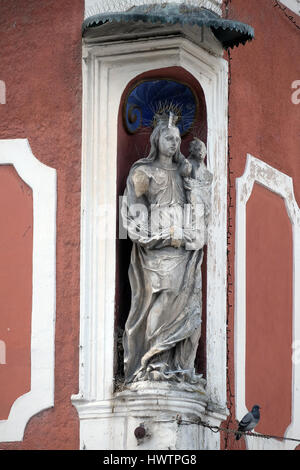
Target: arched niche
[(130, 147)]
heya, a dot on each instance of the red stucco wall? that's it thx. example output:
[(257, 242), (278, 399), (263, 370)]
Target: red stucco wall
[(40, 51), (269, 310), (264, 122), (16, 236)]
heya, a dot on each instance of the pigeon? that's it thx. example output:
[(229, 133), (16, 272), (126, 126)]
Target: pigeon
[(249, 421)]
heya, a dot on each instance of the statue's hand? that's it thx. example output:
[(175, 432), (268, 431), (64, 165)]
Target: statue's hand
[(187, 168), (187, 183), (190, 183), (176, 243), (188, 236), (176, 237)]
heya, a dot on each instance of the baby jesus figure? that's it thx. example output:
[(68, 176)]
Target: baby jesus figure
[(198, 187)]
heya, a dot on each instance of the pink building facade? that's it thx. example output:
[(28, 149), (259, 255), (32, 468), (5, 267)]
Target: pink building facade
[(65, 154)]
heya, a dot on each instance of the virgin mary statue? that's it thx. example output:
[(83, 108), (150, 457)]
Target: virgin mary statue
[(164, 324)]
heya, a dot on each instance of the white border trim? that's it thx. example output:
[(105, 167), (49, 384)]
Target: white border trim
[(107, 70), (281, 184), (293, 5), (42, 180)]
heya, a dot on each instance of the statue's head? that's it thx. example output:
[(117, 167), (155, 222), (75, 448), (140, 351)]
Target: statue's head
[(166, 137), (169, 141), (197, 149)]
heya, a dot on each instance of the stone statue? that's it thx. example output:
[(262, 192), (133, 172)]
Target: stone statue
[(164, 324), (198, 188)]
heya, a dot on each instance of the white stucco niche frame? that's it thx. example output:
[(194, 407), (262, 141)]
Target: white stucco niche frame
[(107, 69), (42, 180), (257, 171)]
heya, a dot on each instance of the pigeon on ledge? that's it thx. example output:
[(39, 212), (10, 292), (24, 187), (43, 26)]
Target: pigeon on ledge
[(249, 421)]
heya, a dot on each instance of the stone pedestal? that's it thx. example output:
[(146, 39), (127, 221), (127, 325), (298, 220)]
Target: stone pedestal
[(152, 416)]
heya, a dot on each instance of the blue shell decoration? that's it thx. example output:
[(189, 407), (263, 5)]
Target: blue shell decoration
[(157, 96)]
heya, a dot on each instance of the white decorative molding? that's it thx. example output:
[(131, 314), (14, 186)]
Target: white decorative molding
[(281, 184), (293, 5), (107, 70), (42, 181)]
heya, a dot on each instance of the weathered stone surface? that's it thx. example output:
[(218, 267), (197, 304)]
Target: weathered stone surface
[(163, 197)]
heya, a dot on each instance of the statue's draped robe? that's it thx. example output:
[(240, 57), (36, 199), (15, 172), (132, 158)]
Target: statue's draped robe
[(164, 324)]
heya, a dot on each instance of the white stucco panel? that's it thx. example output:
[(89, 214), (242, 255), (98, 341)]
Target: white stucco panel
[(257, 171), (42, 181)]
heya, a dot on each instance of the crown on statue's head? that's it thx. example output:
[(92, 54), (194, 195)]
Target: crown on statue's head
[(167, 113), (169, 119)]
